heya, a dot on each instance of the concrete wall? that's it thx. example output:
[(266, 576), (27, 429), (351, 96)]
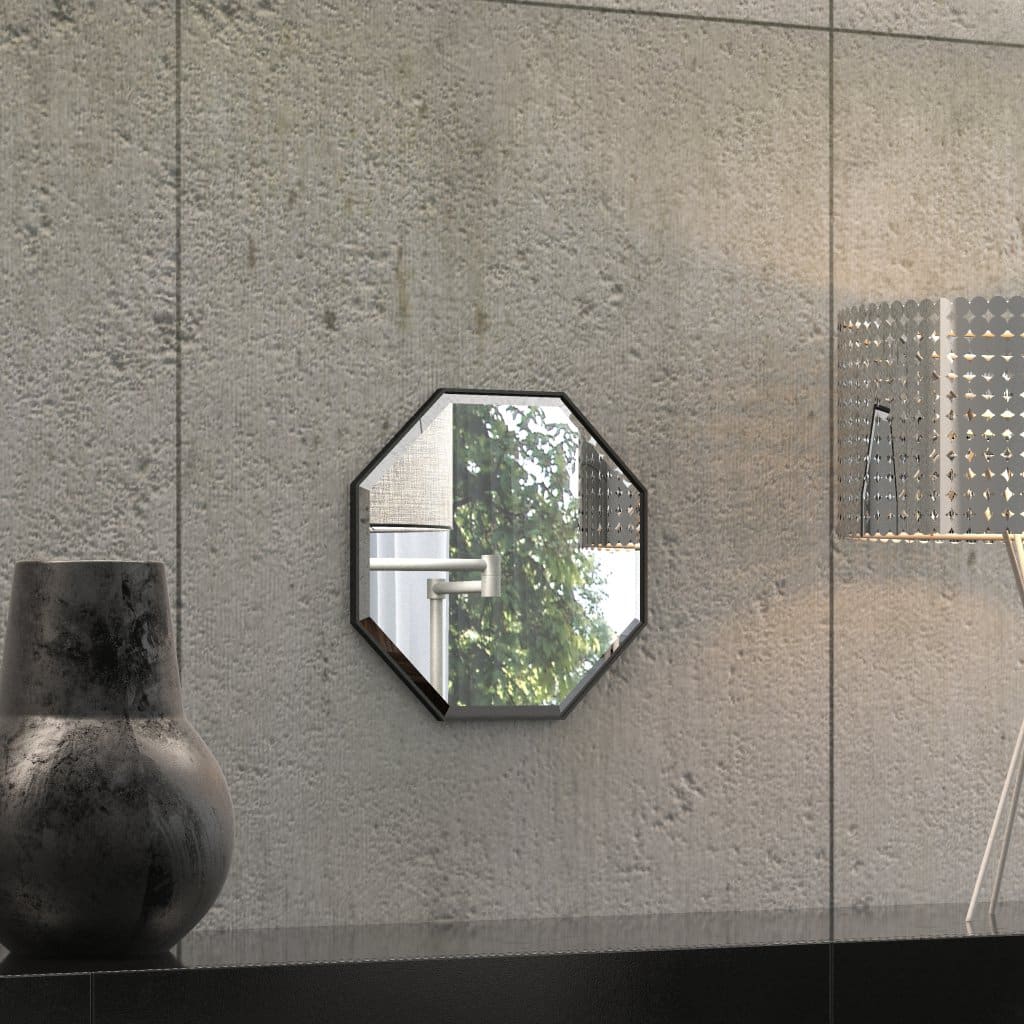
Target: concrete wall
[(378, 198)]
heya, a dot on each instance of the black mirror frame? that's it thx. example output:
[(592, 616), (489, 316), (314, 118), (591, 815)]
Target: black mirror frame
[(393, 658)]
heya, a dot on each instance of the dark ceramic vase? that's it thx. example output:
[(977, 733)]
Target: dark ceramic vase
[(115, 821)]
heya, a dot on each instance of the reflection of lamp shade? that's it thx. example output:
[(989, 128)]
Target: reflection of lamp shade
[(415, 491), (930, 415), (609, 503)]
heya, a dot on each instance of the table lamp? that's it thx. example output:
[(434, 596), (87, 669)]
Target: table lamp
[(930, 446)]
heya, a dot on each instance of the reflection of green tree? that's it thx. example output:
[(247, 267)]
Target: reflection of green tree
[(512, 498)]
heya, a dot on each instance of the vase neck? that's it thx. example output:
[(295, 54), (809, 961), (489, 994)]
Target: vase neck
[(89, 639)]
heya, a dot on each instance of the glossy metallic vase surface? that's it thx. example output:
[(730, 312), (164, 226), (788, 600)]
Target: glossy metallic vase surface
[(116, 825)]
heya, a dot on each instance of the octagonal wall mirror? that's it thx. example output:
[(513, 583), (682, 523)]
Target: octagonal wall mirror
[(498, 554)]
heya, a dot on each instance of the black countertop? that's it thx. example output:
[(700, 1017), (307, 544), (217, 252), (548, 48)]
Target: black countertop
[(701, 966)]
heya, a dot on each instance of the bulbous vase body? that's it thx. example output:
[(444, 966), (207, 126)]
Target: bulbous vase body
[(116, 826)]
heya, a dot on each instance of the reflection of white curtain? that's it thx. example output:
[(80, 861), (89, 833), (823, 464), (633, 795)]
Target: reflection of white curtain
[(416, 488), (398, 600)]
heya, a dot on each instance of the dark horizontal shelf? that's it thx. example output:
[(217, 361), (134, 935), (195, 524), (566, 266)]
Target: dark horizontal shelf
[(464, 940), (902, 963)]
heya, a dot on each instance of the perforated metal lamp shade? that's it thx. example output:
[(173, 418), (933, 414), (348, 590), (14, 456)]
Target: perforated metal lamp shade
[(930, 419), (609, 503)]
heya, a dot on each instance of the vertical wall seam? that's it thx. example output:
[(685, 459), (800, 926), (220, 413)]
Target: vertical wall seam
[(178, 367), (831, 520)]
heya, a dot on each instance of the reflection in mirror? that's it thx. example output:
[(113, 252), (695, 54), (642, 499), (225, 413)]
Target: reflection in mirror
[(498, 554)]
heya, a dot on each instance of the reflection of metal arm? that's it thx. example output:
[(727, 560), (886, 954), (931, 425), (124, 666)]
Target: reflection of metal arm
[(489, 585), (489, 567)]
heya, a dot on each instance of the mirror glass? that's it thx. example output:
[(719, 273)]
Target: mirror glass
[(498, 554)]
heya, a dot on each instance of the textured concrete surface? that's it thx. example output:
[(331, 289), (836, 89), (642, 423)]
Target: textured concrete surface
[(995, 20), (414, 194), (929, 638), (87, 292), (791, 12)]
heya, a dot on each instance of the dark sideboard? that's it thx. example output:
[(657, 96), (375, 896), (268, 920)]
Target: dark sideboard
[(875, 965)]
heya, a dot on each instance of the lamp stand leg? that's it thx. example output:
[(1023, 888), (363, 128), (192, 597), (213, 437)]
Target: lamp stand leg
[(1010, 772), (1015, 548), (1014, 801)]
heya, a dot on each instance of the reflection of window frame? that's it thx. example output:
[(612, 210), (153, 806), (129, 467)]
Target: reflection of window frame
[(489, 585)]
